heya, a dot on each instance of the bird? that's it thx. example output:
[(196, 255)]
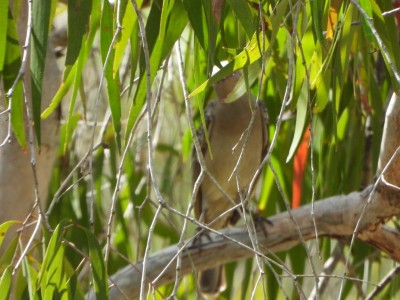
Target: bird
[(227, 123)]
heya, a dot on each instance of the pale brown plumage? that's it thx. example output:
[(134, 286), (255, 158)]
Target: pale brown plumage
[(226, 125)]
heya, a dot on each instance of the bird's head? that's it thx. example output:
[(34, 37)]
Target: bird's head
[(226, 86)]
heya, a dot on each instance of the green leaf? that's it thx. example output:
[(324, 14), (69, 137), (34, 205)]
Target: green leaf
[(337, 59), (298, 259), (187, 145), (76, 55), (250, 75), (4, 228), (212, 31), (197, 19), (250, 54), (301, 118), (317, 13), (366, 5), (100, 280), (135, 53), (62, 91), (70, 71), (5, 282), (128, 23), (9, 250), (71, 122), (40, 32), (244, 15), (78, 22), (3, 32), (73, 285), (387, 29), (345, 48), (70, 127), (112, 75), (30, 275), (171, 21), (52, 261), (12, 65)]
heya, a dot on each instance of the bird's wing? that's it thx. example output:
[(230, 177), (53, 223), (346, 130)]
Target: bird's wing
[(196, 168)]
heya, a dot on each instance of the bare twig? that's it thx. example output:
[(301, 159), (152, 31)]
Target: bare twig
[(28, 245), (391, 12), (380, 42), (384, 282)]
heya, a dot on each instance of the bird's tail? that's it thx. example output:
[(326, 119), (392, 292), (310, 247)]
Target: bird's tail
[(212, 281)]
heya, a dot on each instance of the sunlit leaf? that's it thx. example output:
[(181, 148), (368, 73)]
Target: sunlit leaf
[(5, 283), (248, 56), (62, 91), (52, 276), (367, 7), (301, 118), (3, 32), (128, 23)]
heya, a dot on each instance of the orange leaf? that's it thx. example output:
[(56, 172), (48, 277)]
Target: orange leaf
[(299, 166), (332, 21)]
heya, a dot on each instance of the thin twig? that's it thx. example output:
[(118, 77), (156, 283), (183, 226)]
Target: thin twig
[(383, 283), (147, 251), (391, 12), (28, 245), (117, 185), (380, 42), (7, 138), (328, 268), (197, 184), (60, 191)]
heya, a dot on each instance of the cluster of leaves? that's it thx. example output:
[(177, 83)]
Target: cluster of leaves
[(318, 63)]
